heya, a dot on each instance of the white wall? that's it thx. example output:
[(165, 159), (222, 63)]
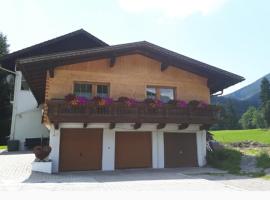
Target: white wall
[(201, 148), (108, 149), (55, 144), (26, 117), (26, 101), (28, 125), (108, 154)]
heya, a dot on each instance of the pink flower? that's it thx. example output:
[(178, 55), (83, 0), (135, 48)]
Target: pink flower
[(202, 104), (82, 100), (108, 101), (182, 104), (131, 102)]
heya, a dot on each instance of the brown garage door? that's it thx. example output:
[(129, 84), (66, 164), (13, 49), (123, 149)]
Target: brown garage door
[(80, 149), (180, 150), (133, 150)]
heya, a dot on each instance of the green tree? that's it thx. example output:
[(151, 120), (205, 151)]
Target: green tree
[(230, 118), (265, 91), (3, 45), (266, 113), (265, 99), (259, 119), (248, 119), (5, 90)]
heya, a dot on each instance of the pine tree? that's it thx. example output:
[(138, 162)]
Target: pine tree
[(265, 91), (5, 106)]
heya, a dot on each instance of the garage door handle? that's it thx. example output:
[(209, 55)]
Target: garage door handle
[(180, 152)]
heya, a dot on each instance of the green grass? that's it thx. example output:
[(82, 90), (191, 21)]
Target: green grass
[(3, 147), (225, 159), (229, 136)]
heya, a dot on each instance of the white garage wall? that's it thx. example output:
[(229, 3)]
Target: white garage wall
[(108, 154)]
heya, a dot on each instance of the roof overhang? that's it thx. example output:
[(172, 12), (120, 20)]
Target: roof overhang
[(34, 69)]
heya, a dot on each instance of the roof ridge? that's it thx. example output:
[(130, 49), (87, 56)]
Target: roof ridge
[(50, 41)]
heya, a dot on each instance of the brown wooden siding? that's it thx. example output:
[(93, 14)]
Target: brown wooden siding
[(129, 77)]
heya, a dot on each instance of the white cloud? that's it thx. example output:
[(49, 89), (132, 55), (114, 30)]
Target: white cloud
[(172, 8)]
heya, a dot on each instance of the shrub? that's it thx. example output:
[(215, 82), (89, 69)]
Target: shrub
[(225, 159), (263, 160)]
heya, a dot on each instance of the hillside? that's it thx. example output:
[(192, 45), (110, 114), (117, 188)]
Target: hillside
[(242, 98), (249, 92)]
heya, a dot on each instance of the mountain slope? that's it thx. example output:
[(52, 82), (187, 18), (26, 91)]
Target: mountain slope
[(249, 92)]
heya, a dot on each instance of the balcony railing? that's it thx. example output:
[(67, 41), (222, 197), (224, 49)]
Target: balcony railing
[(118, 112)]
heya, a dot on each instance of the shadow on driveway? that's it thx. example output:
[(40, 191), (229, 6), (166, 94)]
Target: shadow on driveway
[(132, 175)]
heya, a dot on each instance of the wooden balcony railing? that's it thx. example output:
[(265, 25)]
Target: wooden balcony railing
[(61, 111)]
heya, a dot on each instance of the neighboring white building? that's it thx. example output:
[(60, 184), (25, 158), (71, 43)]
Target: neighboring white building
[(27, 114)]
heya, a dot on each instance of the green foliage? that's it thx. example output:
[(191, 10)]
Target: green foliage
[(263, 160), (229, 118), (248, 118), (3, 45), (5, 90), (265, 91), (265, 98), (230, 136), (226, 159), (266, 113)]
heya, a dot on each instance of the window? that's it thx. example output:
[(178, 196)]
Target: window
[(102, 91), (151, 93), (24, 84), (164, 94), (89, 90), (83, 90)]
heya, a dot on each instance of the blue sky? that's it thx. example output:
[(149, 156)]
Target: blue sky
[(231, 34)]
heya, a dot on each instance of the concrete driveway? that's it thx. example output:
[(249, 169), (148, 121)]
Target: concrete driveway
[(15, 174)]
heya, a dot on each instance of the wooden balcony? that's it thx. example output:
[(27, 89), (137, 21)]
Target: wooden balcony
[(60, 111)]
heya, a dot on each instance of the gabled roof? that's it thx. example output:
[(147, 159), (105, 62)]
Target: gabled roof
[(34, 68), (76, 40)]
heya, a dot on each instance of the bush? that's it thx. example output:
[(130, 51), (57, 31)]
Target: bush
[(225, 159), (263, 160)]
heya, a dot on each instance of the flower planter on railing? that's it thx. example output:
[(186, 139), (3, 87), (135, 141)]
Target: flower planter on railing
[(125, 110)]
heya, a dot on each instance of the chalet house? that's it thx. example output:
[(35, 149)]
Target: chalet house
[(134, 105)]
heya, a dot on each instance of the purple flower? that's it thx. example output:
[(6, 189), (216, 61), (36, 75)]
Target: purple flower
[(108, 101), (158, 103), (182, 104), (202, 104), (131, 102), (82, 100)]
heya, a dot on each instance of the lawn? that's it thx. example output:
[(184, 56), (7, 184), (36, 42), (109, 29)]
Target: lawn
[(229, 136)]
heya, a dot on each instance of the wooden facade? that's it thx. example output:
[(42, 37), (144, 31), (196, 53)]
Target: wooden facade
[(129, 76)]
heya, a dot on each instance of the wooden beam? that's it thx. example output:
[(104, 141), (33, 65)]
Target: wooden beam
[(137, 125), (85, 125), (205, 127), (183, 126), (112, 125), (163, 66), (51, 72), (161, 125), (112, 61)]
